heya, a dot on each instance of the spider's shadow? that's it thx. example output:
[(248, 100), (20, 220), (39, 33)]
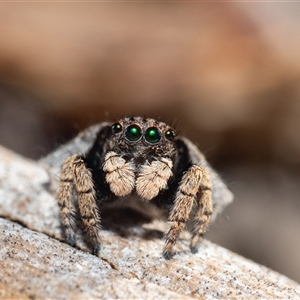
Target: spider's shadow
[(125, 222)]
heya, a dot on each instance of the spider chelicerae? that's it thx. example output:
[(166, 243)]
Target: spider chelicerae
[(143, 156)]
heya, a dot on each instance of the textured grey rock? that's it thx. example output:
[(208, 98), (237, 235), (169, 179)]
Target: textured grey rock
[(35, 263)]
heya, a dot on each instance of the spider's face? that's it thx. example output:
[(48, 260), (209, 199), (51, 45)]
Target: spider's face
[(142, 138), (139, 157)]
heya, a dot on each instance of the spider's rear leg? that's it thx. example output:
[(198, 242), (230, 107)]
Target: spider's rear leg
[(184, 200), (81, 177)]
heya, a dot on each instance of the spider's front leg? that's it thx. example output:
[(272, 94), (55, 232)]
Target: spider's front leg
[(195, 180), (204, 211), (76, 175)]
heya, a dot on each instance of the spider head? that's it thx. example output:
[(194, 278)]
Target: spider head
[(140, 136)]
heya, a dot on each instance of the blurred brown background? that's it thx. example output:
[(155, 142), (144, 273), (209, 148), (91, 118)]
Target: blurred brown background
[(228, 74)]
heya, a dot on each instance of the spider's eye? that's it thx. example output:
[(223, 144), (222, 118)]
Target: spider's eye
[(170, 135), (152, 135), (116, 128), (133, 133)]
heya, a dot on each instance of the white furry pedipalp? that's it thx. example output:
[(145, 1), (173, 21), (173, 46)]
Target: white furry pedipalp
[(153, 177), (119, 174)]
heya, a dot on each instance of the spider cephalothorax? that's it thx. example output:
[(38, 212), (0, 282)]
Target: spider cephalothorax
[(142, 156)]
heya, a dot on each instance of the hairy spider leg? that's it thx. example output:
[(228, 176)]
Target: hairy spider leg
[(183, 204), (204, 208), (76, 174), (87, 202), (66, 201), (204, 211)]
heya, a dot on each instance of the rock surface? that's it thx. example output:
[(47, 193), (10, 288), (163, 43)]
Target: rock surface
[(36, 263)]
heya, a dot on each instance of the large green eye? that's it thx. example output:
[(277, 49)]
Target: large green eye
[(116, 128), (152, 135), (133, 133), (170, 135)]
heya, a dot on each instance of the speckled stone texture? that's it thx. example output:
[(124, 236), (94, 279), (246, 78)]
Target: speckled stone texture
[(36, 263)]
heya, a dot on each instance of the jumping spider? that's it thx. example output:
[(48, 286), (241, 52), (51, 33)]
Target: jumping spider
[(142, 156)]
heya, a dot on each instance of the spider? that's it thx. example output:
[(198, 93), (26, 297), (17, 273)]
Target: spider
[(143, 156)]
